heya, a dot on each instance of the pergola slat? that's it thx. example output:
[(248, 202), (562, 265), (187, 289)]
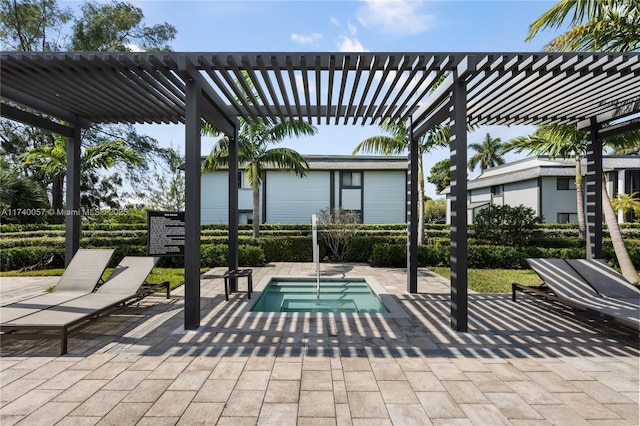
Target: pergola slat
[(586, 88)]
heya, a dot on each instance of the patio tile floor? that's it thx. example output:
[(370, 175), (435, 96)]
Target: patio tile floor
[(520, 363)]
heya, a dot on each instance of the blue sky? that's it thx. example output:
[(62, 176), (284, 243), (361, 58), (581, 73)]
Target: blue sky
[(329, 26)]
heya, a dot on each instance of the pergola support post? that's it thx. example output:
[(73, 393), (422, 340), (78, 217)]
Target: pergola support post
[(73, 218), (594, 194), (412, 214), (233, 206), (459, 255), (192, 206)]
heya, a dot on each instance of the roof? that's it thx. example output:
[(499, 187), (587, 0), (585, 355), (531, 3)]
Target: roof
[(542, 166), (352, 162), (356, 162), (340, 88)]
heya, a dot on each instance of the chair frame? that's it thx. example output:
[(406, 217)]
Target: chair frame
[(546, 292), (61, 331)]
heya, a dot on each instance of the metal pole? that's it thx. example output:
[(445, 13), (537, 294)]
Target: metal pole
[(412, 214), (232, 262), (73, 219), (192, 207), (594, 194), (459, 255)]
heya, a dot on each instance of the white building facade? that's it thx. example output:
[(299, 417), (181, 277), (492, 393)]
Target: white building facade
[(547, 186), (373, 186)]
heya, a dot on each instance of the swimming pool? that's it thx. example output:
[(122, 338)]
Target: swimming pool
[(336, 295)]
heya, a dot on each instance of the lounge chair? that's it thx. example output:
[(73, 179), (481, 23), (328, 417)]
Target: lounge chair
[(606, 280), (125, 285), (566, 286), (79, 278)]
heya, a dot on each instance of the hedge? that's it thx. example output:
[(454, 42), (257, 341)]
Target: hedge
[(486, 256), (20, 257), (381, 245)]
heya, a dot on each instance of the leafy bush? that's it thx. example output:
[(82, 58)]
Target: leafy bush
[(218, 255), (20, 257), (250, 256), (511, 226), (434, 254), (389, 255), (287, 249), (495, 257), (558, 242), (361, 246)]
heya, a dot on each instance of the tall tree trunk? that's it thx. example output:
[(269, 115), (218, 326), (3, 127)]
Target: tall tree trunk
[(420, 200), (626, 266), (256, 201), (582, 227), (57, 197)]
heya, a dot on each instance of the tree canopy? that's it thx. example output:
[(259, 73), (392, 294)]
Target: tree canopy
[(596, 25), (488, 153), (255, 152), (45, 25)]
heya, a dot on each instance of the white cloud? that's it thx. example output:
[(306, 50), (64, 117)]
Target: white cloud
[(134, 47), (305, 39), (352, 28), (400, 17), (346, 44), (334, 21)]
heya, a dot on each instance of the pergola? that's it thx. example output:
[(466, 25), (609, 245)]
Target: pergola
[(64, 92)]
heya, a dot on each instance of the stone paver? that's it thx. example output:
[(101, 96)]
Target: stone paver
[(521, 363)]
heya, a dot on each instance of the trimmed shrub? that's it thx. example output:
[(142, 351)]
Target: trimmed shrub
[(389, 255), (20, 257), (218, 255), (361, 246), (495, 257), (250, 256), (287, 249), (510, 226), (434, 255)]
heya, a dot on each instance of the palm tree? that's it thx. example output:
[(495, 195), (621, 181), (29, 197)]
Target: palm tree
[(597, 25), (566, 141), (398, 143), (488, 153), (19, 192), (52, 160), (627, 203), (558, 141), (254, 153)]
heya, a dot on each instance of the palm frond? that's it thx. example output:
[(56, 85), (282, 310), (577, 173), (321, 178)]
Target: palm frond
[(218, 157), (385, 145), (286, 159), (582, 9), (289, 128)]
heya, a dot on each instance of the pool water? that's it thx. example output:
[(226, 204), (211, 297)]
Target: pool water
[(300, 295)]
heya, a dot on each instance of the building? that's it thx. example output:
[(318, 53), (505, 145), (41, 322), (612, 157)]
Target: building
[(373, 186), (547, 186)]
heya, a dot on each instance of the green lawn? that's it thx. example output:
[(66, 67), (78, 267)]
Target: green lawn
[(494, 280)]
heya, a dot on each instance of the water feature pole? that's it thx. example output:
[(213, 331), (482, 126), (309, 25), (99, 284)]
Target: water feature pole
[(316, 252)]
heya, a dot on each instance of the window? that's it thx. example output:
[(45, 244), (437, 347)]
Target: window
[(243, 183), (497, 189), (632, 181), (245, 217), (567, 217), (351, 179), (565, 184)]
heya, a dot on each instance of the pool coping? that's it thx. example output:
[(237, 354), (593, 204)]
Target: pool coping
[(395, 310)]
